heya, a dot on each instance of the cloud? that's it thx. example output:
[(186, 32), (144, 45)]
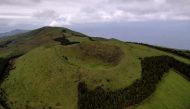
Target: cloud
[(60, 21), (19, 2), (45, 14), (65, 12), (4, 22)]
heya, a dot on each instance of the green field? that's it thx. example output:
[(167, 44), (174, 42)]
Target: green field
[(171, 93), (47, 75)]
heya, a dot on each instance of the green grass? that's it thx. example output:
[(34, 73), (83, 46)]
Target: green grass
[(25, 42), (42, 80), (171, 93), (48, 74), (43, 77)]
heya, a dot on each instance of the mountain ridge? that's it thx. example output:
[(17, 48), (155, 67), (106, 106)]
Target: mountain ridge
[(61, 59)]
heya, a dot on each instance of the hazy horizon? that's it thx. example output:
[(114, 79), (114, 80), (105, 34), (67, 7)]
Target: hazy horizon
[(158, 22), (173, 34)]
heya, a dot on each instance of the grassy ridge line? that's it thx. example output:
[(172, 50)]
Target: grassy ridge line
[(25, 42), (185, 54), (47, 30), (153, 68)]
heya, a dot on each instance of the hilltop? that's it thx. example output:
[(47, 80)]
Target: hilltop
[(57, 68)]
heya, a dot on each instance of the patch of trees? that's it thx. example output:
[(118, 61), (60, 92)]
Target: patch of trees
[(65, 41), (3, 99), (4, 63), (4, 44), (153, 69), (91, 39), (174, 51)]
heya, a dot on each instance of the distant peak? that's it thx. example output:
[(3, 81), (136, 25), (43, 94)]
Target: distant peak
[(14, 32)]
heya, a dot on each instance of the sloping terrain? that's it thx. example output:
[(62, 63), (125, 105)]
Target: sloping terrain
[(171, 93), (54, 63)]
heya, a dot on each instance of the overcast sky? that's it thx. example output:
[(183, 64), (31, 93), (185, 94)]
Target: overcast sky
[(65, 12), (28, 14)]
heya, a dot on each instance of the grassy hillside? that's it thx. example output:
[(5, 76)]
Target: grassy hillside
[(43, 81), (23, 43), (48, 74), (171, 93)]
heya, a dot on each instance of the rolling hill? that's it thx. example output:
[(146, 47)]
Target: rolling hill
[(57, 68)]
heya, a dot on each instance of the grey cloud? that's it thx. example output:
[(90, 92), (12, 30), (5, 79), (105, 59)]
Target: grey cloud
[(126, 1), (169, 8), (88, 9), (19, 2), (179, 2), (4, 22), (46, 14), (82, 11), (10, 13)]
